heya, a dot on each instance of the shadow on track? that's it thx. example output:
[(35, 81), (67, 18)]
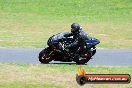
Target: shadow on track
[(62, 63)]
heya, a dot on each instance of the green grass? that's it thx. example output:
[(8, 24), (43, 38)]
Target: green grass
[(28, 85), (55, 76), (29, 23)]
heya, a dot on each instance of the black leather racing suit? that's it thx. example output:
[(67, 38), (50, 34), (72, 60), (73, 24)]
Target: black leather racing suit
[(79, 39)]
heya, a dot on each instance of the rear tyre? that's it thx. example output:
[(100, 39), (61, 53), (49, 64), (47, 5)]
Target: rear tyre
[(45, 56)]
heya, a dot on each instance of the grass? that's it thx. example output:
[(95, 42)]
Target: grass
[(28, 85), (29, 23), (54, 75)]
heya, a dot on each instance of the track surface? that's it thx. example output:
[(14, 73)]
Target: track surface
[(109, 57)]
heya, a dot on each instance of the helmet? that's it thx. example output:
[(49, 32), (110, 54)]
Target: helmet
[(75, 27)]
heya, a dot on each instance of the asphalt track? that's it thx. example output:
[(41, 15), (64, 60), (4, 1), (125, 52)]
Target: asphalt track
[(103, 57)]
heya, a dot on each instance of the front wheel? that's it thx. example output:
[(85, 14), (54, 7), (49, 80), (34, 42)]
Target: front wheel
[(45, 56)]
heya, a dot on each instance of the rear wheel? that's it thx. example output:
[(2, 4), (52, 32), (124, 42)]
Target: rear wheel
[(45, 56)]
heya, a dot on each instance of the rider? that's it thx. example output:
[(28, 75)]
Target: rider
[(78, 35)]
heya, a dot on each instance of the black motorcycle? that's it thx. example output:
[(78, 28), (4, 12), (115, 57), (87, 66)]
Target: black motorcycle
[(80, 55)]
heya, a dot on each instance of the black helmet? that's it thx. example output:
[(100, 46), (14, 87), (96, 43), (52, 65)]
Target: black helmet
[(75, 27)]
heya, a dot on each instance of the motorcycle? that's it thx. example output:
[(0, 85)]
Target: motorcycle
[(80, 55)]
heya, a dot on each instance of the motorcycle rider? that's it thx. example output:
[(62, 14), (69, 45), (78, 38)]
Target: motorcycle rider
[(79, 36)]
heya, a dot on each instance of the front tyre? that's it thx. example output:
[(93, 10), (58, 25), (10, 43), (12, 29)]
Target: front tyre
[(45, 56)]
